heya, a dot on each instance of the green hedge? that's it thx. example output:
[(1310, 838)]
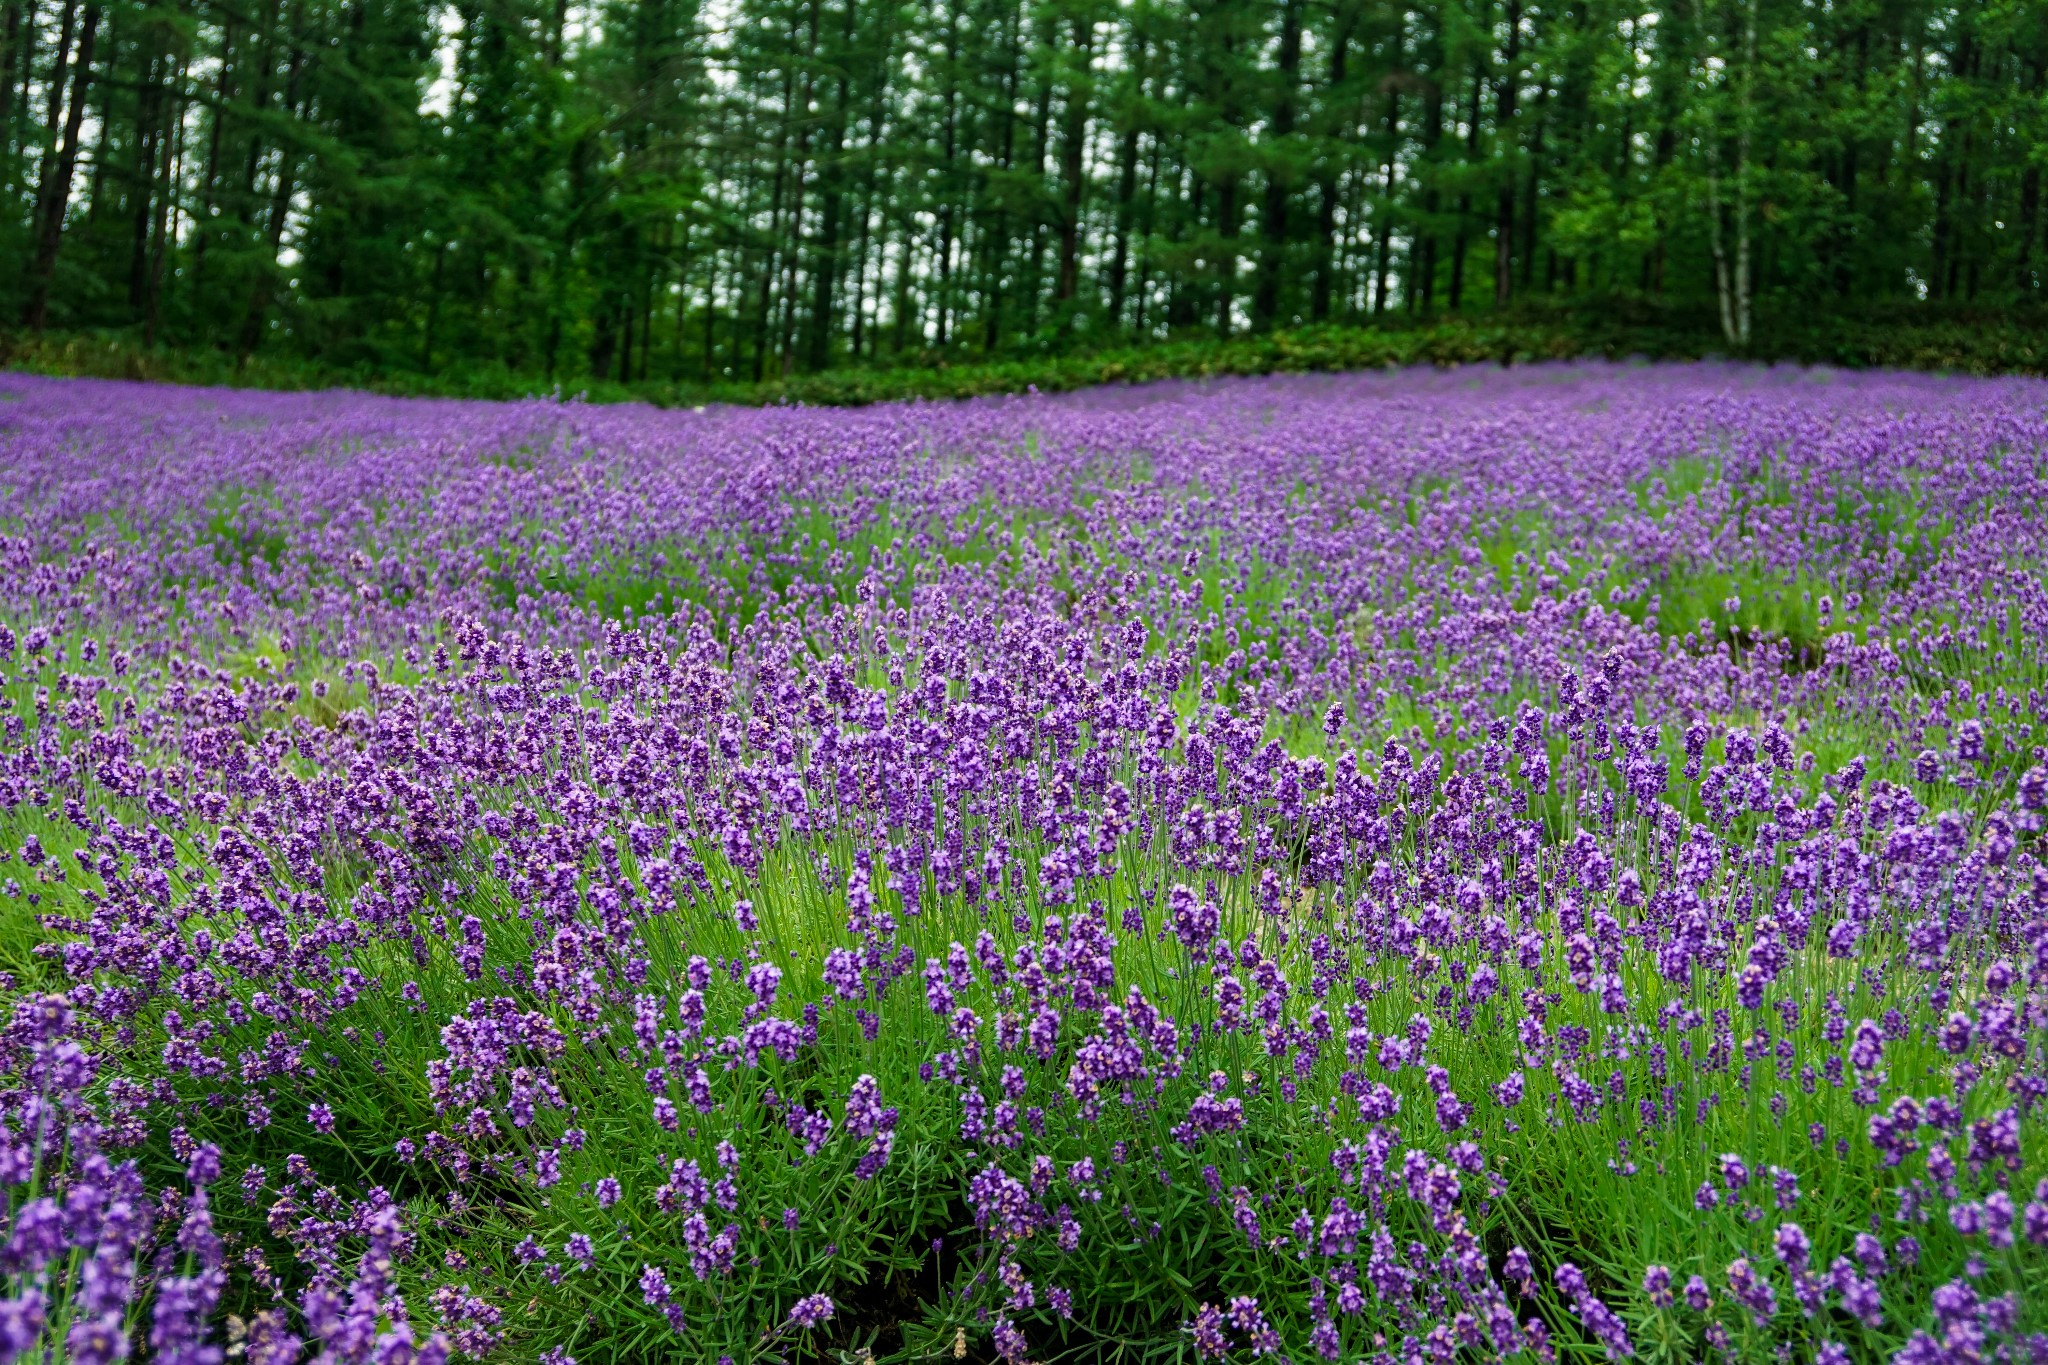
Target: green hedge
[(1975, 341)]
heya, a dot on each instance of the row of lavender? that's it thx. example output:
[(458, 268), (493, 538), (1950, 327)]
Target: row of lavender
[(1390, 867)]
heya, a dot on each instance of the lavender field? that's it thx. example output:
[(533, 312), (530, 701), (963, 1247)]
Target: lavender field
[(1538, 864)]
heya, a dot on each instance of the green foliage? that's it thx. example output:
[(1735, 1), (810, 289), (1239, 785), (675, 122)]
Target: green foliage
[(1959, 341)]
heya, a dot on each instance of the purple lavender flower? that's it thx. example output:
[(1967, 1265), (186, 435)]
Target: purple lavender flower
[(1751, 1290), (1792, 1246)]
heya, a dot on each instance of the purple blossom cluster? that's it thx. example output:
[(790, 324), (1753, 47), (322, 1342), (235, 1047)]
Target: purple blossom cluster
[(1388, 867)]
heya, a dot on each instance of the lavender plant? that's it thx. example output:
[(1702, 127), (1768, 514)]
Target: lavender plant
[(1395, 867)]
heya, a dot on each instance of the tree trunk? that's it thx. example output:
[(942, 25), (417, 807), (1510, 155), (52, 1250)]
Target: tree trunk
[(1463, 241), (1226, 264), (1327, 182), (825, 261), (1041, 146), (1073, 147), (1148, 221), (261, 289), (766, 293), (1384, 229), (1723, 285), (53, 96), (949, 148), (1742, 173), (165, 227), (996, 227), (57, 186), (210, 180), (1531, 186), (141, 183), (17, 43), (1126, 192), (900, 314), (2030, 230), (1505, 93), (1273, 222)]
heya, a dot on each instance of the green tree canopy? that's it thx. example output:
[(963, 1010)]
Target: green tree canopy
[(672, 190)]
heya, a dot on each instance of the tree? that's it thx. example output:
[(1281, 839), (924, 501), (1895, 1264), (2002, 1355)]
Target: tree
[(645, 189)]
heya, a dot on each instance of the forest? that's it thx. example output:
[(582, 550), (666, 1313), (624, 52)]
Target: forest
[(748, 190)]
